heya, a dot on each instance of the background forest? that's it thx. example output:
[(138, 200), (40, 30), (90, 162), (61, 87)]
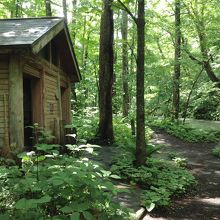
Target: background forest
[(199, 78), (180, 84)]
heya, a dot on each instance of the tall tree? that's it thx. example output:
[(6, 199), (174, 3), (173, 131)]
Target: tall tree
[(177, 66), (48, 8), (18, 8), (65, 9), (140, 113), (106, 59), (124, 32)]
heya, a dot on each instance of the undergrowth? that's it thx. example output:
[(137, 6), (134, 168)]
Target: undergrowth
[(186, 133), (49, 185), (160, 179), (216, 151)]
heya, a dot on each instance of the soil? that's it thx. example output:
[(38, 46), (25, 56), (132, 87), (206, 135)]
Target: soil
[(205, 201), (202, 204)]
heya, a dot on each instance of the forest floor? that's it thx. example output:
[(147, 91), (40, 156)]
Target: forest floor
[(202, 204)]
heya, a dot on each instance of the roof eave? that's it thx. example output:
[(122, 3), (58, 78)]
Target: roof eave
[(76, 65), (41, 42)]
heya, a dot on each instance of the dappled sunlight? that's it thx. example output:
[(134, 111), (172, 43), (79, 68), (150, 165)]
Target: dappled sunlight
[(211, 201)]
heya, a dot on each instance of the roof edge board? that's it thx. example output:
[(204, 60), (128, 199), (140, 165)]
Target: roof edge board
[(41, 42), (32, 18), (72, 51)]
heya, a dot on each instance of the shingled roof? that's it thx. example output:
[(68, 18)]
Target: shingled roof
[(35, 33)]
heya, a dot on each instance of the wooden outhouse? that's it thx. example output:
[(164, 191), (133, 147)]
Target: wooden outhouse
[(37, 67)]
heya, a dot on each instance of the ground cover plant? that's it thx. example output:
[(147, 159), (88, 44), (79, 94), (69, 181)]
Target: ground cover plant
[(49, 185), (185, 132), (161, 179), (216, 151)]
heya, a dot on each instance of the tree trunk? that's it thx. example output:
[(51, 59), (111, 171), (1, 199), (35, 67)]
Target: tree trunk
[(176, 75), (18, 9), (105, 131), (65, 9), (48, 8), (140, 114), (190, 94), (124, 32), (205, 54)]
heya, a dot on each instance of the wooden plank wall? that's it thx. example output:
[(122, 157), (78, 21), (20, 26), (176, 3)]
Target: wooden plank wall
[(51, 110), (53, 115), (4, 73)]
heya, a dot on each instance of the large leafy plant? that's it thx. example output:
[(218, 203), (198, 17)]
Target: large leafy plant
[(50, 185)]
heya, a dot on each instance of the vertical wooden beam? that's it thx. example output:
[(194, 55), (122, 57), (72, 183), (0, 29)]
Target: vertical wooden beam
[(69, 113), (43, 91), (16, 111), (60, 113)]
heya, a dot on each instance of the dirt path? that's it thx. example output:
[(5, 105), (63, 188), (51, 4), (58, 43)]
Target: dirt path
[(203, 205)]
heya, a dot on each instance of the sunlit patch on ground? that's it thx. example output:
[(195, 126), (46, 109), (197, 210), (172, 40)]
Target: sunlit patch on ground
[(211, 201)]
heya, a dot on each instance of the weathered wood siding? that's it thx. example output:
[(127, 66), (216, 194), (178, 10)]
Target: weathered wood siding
[(4, 73), (52, 116), (55, 114)]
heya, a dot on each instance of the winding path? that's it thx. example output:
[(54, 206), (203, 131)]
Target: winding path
[(203, 205)]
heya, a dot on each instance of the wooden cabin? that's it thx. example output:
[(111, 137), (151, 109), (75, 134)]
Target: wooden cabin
[(37, 67)]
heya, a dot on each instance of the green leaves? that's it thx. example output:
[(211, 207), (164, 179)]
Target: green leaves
[(216, 151), (162, 179), (31, 203), (75, 216), (74, 187)]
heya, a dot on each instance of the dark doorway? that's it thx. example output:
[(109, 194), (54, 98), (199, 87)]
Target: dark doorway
[(28, 111)]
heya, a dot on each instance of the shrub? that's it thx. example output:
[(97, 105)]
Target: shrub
[(161, 179), (186, 133), (216, 151), (54, 186)]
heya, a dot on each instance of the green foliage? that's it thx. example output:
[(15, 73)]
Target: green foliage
[(161, 179), (185, 132), (216, 151), (124, 138), (206, 103), (177, 159), (86, 123), (51, 185)]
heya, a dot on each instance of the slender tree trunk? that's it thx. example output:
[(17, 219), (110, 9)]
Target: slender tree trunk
[(48, 8), (105, 131), (65, 9), (190, 94), (18, 9), (124, 32), (176, 75), (140, 114), (205, 54), (83, 37), (74, 4), (73, 89)]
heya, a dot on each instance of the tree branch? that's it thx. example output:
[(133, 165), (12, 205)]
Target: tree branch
[(193, 58), (125, 8)]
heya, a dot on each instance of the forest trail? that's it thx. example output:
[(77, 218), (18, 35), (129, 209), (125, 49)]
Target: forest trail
[(204, 204)]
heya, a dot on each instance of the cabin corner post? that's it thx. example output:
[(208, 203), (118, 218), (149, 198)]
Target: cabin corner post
[(16, 112)]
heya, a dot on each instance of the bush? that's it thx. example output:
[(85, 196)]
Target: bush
[(186, 133), (54, 186), (161, 179), (216, 151)]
